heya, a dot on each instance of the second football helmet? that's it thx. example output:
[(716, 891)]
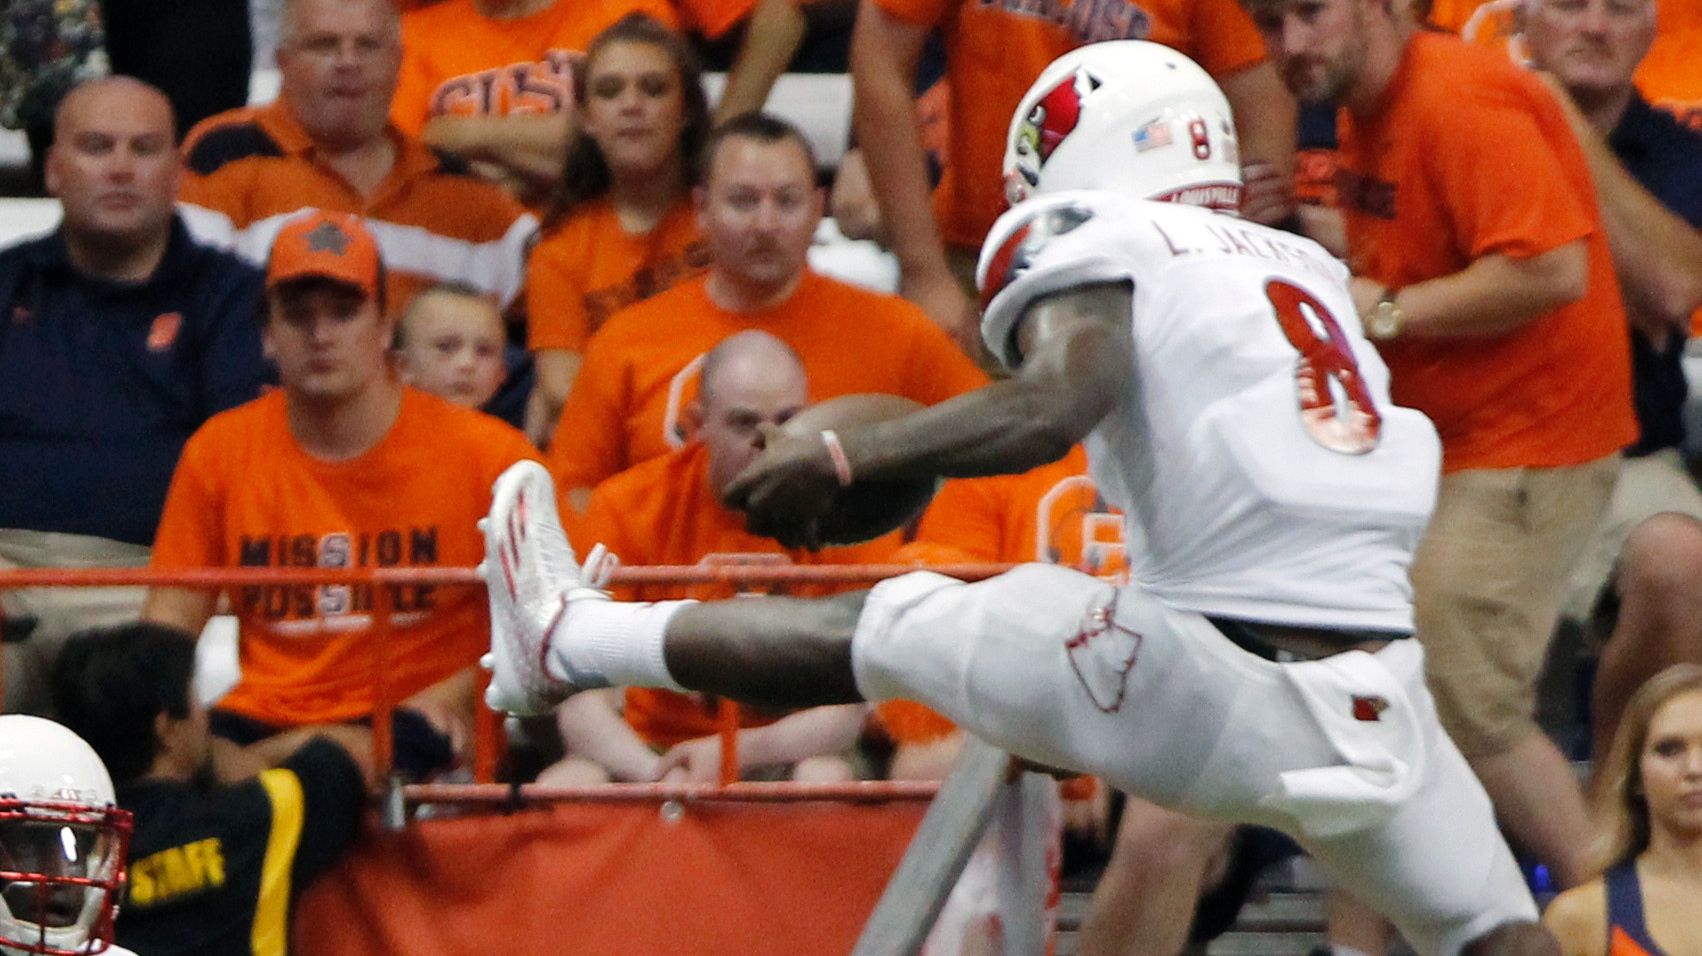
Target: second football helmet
[(63, 841)]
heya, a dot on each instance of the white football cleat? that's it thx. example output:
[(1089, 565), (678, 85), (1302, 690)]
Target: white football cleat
[(532, 576)]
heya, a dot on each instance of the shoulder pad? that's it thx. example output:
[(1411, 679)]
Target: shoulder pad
[(1017, 240), (1020, 236)]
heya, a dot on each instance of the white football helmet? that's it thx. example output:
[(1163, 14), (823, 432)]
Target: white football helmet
[(63, 841), (1125, 116)]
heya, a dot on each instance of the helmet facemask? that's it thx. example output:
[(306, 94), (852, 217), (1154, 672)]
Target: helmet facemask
[(61, 875)]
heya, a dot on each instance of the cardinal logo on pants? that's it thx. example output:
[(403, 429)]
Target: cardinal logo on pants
[(1102, 654)]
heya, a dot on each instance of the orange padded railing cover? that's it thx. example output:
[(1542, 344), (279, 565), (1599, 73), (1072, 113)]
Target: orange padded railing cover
[(716, 878)]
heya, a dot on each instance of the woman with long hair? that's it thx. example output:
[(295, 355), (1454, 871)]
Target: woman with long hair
[(1647, 900), (622, 227)]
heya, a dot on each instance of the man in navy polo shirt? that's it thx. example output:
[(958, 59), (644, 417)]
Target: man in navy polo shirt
[(1647, 169), (119, 336)]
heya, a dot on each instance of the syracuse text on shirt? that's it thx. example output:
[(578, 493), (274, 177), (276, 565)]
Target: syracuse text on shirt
[(544, 86)]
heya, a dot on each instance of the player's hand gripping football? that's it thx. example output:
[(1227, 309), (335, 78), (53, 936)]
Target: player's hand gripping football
[(787, 490)]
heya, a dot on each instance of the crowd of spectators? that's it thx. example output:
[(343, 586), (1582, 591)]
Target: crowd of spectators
[(245, 341)]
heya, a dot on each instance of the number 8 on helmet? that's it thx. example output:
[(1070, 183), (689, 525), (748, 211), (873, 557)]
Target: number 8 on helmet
[(1098, 117)]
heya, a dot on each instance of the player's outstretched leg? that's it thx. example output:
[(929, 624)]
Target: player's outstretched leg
[(773, 652), (554, 632), (532, 577)]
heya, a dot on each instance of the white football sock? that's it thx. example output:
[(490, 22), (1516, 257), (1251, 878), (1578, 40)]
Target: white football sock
[(614, 643)]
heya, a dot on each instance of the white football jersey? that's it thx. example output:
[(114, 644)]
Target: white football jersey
[(1264, 473)]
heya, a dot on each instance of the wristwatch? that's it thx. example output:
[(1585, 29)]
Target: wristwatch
[(1385, 319)]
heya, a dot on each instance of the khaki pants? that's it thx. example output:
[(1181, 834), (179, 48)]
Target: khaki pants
[(59, 612), (1488, 581)]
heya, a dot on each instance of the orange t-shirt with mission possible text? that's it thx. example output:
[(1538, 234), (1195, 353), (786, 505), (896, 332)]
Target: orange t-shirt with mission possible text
[(246, 495)]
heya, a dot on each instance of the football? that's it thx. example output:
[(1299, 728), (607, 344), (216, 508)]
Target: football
[(865, 509)]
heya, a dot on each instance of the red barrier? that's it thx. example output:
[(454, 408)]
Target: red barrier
[(710, 878), (646, 869)]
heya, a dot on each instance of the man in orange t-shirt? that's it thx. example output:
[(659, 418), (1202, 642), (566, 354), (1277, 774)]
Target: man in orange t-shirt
[(342, 467), (758, 208), (492, 80), (994, 50), (326, 143), (1484, 275), (669, 511)]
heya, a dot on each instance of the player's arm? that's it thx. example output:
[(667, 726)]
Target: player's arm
[(772, 36), (1076, 360), (884, 54), (1493, 295)]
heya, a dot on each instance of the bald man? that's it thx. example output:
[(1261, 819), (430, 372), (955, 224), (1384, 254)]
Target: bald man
[(750, 380), (119, 336), (672, 510)]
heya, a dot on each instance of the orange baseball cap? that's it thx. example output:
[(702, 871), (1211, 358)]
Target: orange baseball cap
[(326, 245)]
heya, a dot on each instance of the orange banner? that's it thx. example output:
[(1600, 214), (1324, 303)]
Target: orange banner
[(787, 879)]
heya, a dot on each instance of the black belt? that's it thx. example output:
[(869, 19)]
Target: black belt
[(1251, 637)]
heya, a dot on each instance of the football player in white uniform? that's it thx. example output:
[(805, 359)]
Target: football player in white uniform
[(62, 843), (1234, 411)]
